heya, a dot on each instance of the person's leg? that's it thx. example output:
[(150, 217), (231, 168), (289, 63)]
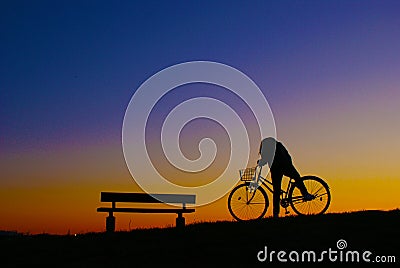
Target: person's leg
[(292, 173), (276, 177)]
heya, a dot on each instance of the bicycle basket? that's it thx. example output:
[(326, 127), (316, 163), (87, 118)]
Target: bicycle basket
[(247, 174)]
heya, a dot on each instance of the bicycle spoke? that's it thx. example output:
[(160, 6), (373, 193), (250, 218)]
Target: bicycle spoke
[(321, 195), (314, 193)]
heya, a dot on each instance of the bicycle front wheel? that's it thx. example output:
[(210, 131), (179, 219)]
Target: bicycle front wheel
[(320, 201), (244, 205)]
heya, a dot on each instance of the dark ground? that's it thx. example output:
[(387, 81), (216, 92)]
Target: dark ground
[(223, 244)]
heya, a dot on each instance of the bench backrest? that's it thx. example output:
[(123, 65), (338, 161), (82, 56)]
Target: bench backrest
[(147, 198)]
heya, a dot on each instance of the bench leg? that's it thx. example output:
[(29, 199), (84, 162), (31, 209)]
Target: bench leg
[(110, 223), (180, 221)]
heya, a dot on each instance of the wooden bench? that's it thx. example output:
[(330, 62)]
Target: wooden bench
[(114, 198)]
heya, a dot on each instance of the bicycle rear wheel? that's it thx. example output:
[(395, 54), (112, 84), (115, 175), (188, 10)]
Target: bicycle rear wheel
[(320, 202), (244, 205)]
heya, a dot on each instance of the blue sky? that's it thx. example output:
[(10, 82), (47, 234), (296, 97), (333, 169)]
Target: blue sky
[(69, 68)]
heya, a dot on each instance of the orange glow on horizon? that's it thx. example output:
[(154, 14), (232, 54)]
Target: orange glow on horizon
[(72, 208)]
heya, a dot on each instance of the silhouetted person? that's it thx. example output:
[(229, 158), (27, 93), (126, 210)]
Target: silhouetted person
[(280, 164)]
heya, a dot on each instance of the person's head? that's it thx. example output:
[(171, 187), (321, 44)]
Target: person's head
[(269, 142)]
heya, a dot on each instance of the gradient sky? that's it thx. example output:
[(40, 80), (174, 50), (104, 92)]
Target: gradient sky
[(330, 71)]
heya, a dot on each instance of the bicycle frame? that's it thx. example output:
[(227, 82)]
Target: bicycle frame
[(269, 186)]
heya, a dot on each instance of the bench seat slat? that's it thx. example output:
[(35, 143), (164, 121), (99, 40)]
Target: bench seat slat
[(145, 210), (147, 198)]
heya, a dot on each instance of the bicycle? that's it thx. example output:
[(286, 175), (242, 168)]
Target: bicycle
[(249, 200)]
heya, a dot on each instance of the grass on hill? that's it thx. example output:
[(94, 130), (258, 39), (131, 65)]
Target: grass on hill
[(207, 244)]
